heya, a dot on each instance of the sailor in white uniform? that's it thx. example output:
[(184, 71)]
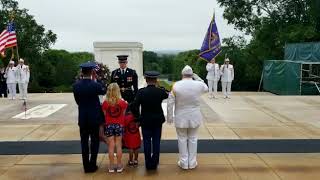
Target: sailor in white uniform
[(11, 75), (184, 110), (227, 76), (23, 79), (213, 77)]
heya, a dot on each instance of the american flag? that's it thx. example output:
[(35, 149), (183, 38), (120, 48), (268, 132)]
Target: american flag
[(8, 38)]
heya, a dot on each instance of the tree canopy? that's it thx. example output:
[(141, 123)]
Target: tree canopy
[(273, 23), (33, 39), (51, 70)]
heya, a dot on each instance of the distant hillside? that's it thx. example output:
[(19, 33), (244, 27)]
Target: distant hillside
[(170, 52)]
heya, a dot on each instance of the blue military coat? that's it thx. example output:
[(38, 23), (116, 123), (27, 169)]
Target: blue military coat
[(86, 93)]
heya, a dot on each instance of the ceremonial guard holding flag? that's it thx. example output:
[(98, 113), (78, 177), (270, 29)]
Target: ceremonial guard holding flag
[(211, 48), (126, 78), (23, 79), (227, 76), (213, 77), (8, 39), (11, 75)]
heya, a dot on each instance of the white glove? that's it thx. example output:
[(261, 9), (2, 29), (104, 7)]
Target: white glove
[(170, 107)]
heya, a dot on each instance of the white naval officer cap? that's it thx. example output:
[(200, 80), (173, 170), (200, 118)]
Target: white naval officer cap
[(11, 62), (227, 60), (187, 70), (21, 60)]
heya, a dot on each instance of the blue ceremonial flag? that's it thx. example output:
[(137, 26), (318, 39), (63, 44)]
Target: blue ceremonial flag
[(211, 45)]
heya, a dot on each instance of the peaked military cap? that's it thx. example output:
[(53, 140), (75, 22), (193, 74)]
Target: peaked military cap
[(151, 74), (122, 58), (88, 65)]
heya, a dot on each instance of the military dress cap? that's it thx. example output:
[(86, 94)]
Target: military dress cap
[(21, 60), (151, 74), (88, 65), (11, 62), (187, 70), (122, 58), (227, 60)]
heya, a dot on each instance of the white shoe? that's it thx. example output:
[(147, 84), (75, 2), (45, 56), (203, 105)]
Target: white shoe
[(194, 166), (181, 166), (120, 168), (111, 169)]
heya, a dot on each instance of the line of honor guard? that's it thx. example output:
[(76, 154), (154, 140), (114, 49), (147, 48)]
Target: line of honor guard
[(215, 73), (13, 75)]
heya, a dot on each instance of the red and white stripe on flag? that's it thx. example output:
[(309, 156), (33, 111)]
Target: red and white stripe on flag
[(7, 39)]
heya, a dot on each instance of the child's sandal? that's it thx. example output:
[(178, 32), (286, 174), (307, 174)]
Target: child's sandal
[(130, 163), (135, 163)]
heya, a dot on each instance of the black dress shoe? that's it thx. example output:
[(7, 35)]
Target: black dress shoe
[(95, 168), (151, 168), (91, 169)]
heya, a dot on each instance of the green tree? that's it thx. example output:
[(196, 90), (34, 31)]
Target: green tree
[(59, 68), (166, 63), (150, 61), (187, 58), (32, 37), (271, 24)]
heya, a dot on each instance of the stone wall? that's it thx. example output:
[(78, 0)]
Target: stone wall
[(106, 52)]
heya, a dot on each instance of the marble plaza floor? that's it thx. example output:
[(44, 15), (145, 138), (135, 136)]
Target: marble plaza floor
[(246, 116), (211, 166)]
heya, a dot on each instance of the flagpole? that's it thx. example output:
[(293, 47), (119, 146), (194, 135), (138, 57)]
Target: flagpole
[(17, 48), (12, 17), (214, 13), (12, 54)]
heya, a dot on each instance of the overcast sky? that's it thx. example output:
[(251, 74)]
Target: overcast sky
[(158, 24)]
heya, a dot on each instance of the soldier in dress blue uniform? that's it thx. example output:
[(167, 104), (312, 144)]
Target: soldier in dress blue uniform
[(151, 117), (3, 83), (91, 120), (126, 78)]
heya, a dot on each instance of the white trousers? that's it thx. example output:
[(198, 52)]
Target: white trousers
[(12, 87), (226, 88), (23, 89), (213, 85), (187, 143)]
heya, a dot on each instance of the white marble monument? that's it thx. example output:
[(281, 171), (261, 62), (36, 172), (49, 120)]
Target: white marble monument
[(107, 52)]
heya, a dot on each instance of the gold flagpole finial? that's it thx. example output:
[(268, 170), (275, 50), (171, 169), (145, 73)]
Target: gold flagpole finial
[(12, 16)]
